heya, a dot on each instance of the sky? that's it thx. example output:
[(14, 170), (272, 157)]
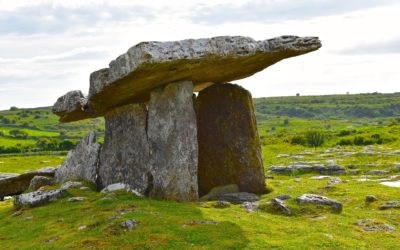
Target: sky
[(48, 48)]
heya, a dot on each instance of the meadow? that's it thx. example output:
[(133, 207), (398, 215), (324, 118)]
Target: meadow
[(364, 138)]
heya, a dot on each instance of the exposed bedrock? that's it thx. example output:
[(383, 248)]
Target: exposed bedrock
[(172, 135), (82, 162), (124, 157), (229, 144), (133, 75)]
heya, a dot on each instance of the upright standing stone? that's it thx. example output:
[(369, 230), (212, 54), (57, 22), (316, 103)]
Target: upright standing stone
[(82, 162), (229, 145), (125, 153), (172, 134)]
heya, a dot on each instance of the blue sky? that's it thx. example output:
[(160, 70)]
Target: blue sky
[(50, 47)]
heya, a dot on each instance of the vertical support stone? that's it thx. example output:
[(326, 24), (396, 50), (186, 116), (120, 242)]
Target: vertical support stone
[(124, 156), (229, 144), (172, 134), (82, 162)]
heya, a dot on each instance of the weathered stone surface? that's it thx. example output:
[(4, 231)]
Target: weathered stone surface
[(129, 224), (147, 65), (71, 184), (72, 104), (320, 200), (119, 187), (280, 205), (372, 225), (390, 205), (172, 135), (77, 198), (82, 162), (370, 198), (322, 169), (239, 198), (40, 181), (229, 145), (13, 184), (216, 192), (124, 157), (283, 197), (38, 198)]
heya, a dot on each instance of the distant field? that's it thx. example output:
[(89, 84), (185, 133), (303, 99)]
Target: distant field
[(20, 164)]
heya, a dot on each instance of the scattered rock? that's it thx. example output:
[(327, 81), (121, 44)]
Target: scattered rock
[(123, 211), (320, 177), (82, 227), (129, 224), (78, 198), (38, 198), (240, 197), (378, 172), (71, 184), (52, 239), (216, 192), (354, 171), (221, 204), (371, 225), (390, 205), (280, 205), (229, 144), (17, 213), (283, 197), (82, 162), (204, 222), (84, 188), (118, 187), (370, 198), (325, 170), (318, 217), (335, 180), (250, 206), (320, 200), (13, 184), (297, 179), (172, 134), (40, 181)]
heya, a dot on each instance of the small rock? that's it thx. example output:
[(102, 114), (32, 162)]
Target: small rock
[(123, 211), (52, 239), (204, 222), (250, 206), (216, 192), (390, 205), (129, 224), (283, 197), (84, 188), (297, 179), (38, 198), (371, 226), (18, 213), (335, 181), (281, 206), (320, 200), (82, 228), (330, 236), (370, 198), (29, 218), (221, 204), (78, 198), (318, 217), (269, 176), (71, 184), (240, 197), (115, 217), (378, 172), (354, 171), (120, 186), (320, 177), (40, 181)]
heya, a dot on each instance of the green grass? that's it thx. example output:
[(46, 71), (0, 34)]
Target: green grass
[(10, 142), (167, 225), (31, 132), (20, 164)]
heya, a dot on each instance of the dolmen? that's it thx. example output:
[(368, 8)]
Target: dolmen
[(163, 140)]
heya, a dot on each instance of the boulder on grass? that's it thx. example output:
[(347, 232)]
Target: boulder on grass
[(40, 181), (38, 198)]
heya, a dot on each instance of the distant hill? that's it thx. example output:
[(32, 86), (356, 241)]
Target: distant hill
[(38, 129), (373, 105)]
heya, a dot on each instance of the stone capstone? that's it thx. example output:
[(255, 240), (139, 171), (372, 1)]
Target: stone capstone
[(13, 184), (38, 198), (229, 144), (74, 104), (82, 162), (320, 200), (172, 135), (40, 181), (124, 157), (148, 65)]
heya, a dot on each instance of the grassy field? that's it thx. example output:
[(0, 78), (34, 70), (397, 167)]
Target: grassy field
[(367, 140)]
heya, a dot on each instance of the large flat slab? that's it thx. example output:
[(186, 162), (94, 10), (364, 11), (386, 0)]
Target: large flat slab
[(147, 65)]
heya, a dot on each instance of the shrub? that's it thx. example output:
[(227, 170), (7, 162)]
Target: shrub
[(298, 139), (315, 138), (345, 142), (358, 140), (286, 122), (344, 133)]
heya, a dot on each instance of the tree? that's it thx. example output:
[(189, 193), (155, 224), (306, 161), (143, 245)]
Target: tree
[(315, 138)]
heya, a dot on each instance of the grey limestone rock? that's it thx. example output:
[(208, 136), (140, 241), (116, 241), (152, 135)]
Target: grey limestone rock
[(38, 198), (71, 184), (13, 184), (133, 75), (72, 104), (320, 200), (280, 205), (40, 181), (229, 144), (240, 197), (390, 205), (124, 157), (172, 135), (129, 224), (370, 198), (217, 192), (82, 162)]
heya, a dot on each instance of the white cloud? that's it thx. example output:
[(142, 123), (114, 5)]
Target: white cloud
[(50, 47)]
